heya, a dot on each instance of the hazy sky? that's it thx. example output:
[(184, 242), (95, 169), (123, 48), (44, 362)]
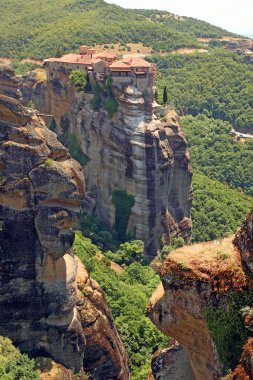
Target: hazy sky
[(233, 15)]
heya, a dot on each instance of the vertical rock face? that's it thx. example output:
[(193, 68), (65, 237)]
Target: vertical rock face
[(31, 87), (137, 154), (133, 152), (43, 305), (194, 277), (172, 363)]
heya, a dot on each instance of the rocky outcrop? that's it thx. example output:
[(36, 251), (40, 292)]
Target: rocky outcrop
[(194, 277), (171, 363), (9, 83), (133, 152), (49, 304), (136, 155), (241, 46), (27, 88), (244, 370)]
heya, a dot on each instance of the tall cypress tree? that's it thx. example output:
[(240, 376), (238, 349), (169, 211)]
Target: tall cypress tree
[(165, 95)]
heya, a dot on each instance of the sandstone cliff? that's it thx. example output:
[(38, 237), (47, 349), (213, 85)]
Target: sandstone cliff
[(195, 279), (137, 158), (133, 154), (49, 304), (27, 88)]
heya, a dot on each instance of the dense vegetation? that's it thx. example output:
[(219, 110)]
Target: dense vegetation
[(127, 294), (78, 79), (193, 27), (13, 365), (217, 210), (217, 154), (222, 177), (45, 28), (225, 323), (217, 84)]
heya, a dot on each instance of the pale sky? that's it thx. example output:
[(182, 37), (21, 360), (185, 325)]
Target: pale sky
[(233, 15)]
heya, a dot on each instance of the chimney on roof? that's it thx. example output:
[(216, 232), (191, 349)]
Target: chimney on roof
[(84, 49)]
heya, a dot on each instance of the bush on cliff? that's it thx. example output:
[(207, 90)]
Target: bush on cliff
[(128, 253), (111, 106), (23, 68), (74, 147), (13, 365), (78, 79), (227, 328)]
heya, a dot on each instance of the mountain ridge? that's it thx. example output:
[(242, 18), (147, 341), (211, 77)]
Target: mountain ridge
[(40, 30)]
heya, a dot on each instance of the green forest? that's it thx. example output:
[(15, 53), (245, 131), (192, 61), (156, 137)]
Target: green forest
[(217, 154), (127, 295), (218, 84), (49, 26), (13, 365)]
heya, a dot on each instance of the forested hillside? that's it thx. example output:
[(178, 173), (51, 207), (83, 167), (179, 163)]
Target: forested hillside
[(215, 90), (217, 84), (38, 31), (217, 154)]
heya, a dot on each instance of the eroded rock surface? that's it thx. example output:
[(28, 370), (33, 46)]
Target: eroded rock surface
[(194, 277), (31, 88), (172, 364), (49, 304), (132, 152), (136, 153)]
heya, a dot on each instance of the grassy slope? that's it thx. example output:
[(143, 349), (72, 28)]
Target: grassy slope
[(36, 29)]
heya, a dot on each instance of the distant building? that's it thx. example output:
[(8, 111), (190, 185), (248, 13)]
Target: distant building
[(128, 71), (135, 71)]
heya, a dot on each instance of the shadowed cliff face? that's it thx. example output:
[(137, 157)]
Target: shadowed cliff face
[(136, 153), (133, 152), (42, 284)]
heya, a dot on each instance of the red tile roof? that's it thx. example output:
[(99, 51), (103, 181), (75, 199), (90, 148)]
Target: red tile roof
[(130, 63), (75, 58), (105, 54)]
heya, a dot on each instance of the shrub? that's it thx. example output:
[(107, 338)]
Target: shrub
[(111, 106), (49, 162), (96, 102), (78, 79), (226, 325), (13, 365), (31, 105), (128, 253)]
